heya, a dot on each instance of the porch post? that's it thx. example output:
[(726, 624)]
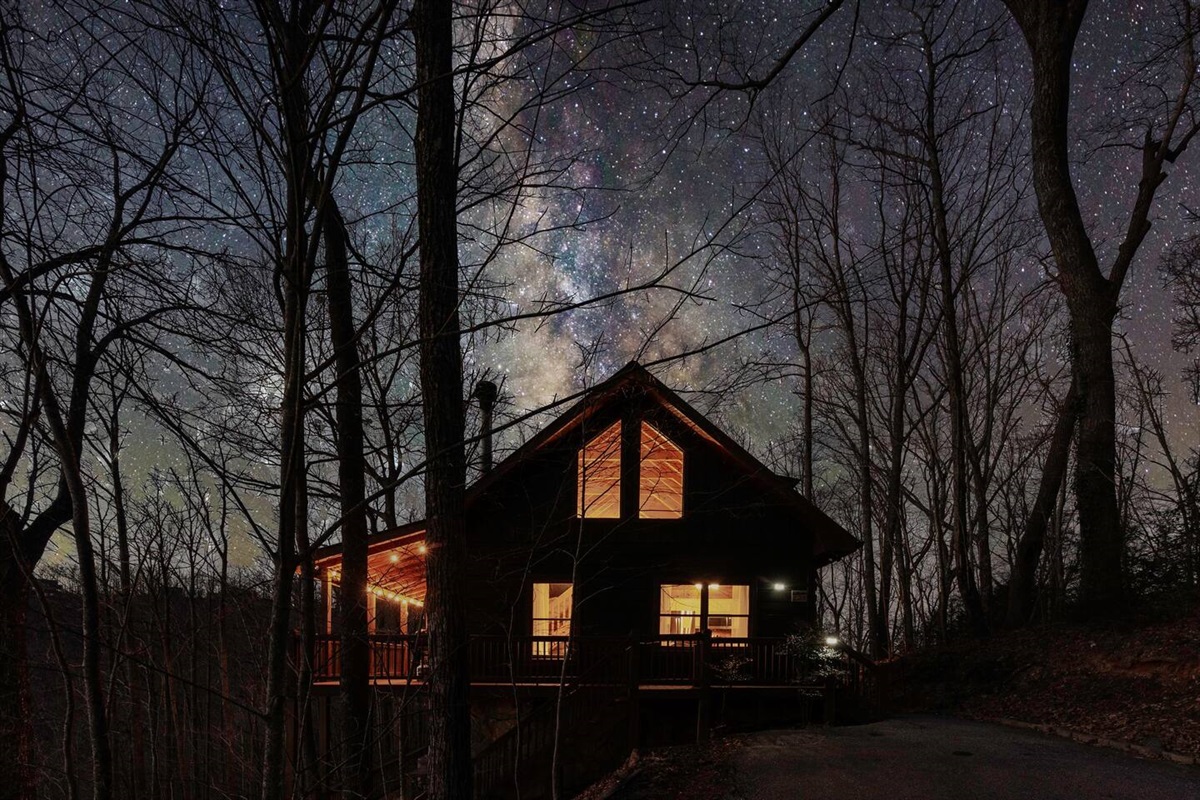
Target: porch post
[(327, 599), (372, 605)]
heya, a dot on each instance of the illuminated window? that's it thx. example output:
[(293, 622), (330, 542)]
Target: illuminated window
[(729, 611), (661, 489), (600, 475), (551, 616), (680, 607)]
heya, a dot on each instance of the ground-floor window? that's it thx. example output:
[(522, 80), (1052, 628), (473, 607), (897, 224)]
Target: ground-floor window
[(688, 608), (679, 608), (551, 616), (729, 611)]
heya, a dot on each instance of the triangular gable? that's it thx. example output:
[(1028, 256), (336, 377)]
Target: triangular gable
[(830, 540)]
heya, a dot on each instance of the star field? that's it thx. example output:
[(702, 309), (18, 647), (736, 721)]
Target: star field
[(701, 184)]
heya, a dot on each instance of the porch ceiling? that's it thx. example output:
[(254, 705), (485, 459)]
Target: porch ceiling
[(395, 568)]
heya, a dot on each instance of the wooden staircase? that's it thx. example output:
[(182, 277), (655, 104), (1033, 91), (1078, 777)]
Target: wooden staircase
[(589, 719)]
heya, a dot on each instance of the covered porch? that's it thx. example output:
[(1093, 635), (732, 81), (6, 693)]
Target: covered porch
[(703, 638), (395, 587)]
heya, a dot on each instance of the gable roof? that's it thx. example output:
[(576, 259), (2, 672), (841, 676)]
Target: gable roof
[(830, 540)]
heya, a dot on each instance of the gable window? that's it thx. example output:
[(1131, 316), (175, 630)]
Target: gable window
[(551, 616), (687, 609), (599, 491), (660, 494)]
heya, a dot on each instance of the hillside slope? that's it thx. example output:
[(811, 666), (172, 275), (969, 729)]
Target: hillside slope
[(1137, 683)]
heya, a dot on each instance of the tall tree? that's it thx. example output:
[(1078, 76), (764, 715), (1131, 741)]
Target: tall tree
[(442, 399), (1092, 296)]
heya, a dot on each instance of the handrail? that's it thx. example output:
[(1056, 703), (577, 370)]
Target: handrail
[(593, 676), (669, 660)]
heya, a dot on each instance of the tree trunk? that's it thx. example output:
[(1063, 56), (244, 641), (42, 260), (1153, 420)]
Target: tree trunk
[(1050, 31), (291, 461), (955, 391), (802, 330), (352, 496), (1102, 541), (1022, 583), (442, 401)]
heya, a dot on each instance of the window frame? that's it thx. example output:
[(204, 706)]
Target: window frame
[(704, 615), (606, 504), (551, 645), (644, 496)]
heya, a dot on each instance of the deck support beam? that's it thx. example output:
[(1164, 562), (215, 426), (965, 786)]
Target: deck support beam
[(704, 686)]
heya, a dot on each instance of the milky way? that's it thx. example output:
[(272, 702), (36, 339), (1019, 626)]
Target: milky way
[(701, 183), (662, 180)]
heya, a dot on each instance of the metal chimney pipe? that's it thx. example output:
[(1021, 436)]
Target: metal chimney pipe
[(486, 393)]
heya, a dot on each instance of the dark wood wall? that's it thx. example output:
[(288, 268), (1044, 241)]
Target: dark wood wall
[(733, 531)]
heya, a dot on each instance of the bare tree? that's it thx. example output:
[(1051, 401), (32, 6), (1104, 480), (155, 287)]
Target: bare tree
[(1092, 296), (442, 399)]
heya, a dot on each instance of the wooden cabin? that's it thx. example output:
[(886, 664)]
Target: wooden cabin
[(631, 544), (630, 515)]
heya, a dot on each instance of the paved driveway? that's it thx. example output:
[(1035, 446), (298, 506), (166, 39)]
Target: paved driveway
[(936, 758)]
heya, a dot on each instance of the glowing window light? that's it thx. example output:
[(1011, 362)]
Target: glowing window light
[(660, 484), (599, 476)]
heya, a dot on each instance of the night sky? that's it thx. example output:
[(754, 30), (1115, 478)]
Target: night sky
[(699, 183), (662, 194)]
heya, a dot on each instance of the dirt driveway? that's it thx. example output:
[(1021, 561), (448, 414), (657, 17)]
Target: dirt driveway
[(937, 758)]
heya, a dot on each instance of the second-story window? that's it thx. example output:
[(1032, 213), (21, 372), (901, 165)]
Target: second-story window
[(599, 491), (660, 494)]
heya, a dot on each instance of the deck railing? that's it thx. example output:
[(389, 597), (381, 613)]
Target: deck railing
[(676, 660)]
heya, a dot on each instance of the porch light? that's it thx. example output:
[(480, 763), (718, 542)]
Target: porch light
[(832, 641), (713, 586), (779, 587), (394, 557), (699, 586), (422, 549)]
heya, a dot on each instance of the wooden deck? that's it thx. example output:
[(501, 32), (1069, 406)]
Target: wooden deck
[(584, 692), (664, 663)]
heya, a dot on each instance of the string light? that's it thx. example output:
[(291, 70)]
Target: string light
[(380, 591)]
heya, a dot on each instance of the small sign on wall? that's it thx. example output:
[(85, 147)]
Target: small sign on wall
[(799, 595)]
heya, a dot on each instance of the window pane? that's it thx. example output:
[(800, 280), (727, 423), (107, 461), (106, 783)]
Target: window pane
[(599, 491), (729, 611), (661, 487), (551, 616), (679, 609)]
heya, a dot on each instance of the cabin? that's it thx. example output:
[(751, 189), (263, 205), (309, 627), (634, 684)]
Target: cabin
[(631, 546)]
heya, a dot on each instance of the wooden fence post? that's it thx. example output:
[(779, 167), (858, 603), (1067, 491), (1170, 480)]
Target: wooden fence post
[(704, 703)]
